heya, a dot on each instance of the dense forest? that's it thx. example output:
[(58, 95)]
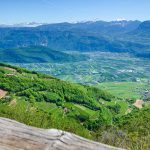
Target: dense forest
[(47, 102), (37, 54)]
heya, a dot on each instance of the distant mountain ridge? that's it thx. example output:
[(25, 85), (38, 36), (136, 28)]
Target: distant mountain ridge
[(140, 35), (115, 36), (93, 26)]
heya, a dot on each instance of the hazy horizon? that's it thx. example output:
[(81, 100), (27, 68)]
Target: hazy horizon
[(84, 21)]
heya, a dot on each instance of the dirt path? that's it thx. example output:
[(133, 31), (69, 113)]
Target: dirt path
[(10, 69), (13, 103), (139, 103)]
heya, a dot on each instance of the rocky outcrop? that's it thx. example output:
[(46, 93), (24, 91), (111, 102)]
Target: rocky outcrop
[(17, 136)]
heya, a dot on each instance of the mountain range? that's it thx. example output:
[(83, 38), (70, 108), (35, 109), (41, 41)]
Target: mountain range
[(116, 36)]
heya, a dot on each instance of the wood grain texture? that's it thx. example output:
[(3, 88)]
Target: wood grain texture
[(17, 136)]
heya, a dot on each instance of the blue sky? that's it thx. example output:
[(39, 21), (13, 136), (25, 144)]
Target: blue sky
[(50, 11)]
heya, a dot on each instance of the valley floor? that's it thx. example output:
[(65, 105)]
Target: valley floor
[(123, 75)]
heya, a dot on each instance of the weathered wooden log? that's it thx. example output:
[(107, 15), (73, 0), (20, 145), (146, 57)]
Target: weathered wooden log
[(17, 136)]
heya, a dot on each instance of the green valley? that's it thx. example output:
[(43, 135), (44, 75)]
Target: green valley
[(74, 75), (122, 74)]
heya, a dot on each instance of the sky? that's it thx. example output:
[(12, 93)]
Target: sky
[(54, 11)]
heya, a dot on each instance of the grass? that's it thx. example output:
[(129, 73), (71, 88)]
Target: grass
[(124, 107), (48, 107), (85, 109), (107, 115), (124, 89), (123, 104)]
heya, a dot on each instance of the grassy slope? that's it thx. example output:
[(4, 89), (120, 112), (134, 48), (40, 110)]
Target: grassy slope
[(44, 101), (46, 91)]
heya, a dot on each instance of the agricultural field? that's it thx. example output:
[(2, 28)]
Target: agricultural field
[(133, 90), (122, 74)]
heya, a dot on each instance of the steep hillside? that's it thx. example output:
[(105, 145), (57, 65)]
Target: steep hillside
[(36, 54), (43, 101), (145, 26), (143, 31), (139, 39)]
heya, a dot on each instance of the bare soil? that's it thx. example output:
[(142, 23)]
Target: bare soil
[(2, 93), (139, 103)]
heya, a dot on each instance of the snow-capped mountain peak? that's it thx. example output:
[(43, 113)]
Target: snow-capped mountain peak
[(121, 19)]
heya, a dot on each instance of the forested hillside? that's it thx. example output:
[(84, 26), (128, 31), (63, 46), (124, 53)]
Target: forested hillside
[(37, 54), (44, 101)]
